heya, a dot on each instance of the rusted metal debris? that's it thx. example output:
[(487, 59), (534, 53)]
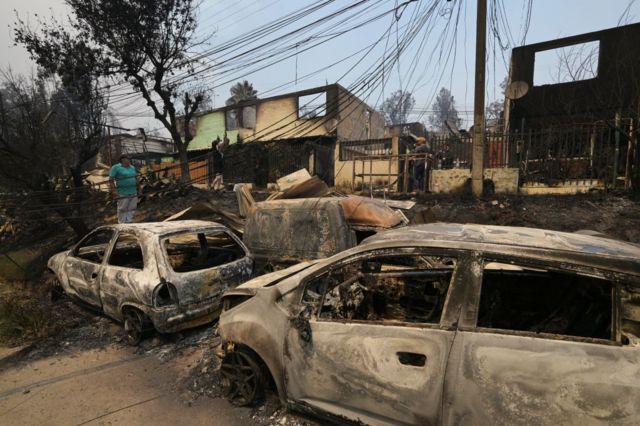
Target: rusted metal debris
[(283, 232)]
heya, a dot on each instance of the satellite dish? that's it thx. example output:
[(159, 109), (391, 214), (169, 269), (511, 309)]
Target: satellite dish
[(517, 89)]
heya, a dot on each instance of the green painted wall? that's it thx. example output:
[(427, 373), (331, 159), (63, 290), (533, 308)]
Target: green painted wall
[(211, 126)]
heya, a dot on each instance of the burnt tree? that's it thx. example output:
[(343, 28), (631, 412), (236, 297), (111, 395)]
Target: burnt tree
[(143, 43)]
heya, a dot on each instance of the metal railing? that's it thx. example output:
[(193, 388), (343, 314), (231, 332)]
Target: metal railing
[(605, 151)]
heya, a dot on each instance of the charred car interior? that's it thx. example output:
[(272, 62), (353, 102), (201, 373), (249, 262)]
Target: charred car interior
[(408, 289), (539, 300), (196, 251)]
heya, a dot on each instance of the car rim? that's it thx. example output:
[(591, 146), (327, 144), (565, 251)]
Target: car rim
[(240, 378), (133, 327)]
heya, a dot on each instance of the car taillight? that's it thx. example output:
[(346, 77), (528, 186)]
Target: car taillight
[(165, 294)]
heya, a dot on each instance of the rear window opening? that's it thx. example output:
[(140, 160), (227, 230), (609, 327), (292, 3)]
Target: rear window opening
[(544, 301), (195, 251)]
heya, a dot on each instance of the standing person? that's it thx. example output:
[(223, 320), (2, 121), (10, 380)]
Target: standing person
[(218, 163), (420, 166), (124, 186)]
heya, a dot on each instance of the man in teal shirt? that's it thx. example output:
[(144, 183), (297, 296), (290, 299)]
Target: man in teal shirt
[(125, 176)]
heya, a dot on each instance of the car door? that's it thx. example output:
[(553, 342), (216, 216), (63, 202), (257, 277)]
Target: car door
[(544, 344), (83, 266), (372, 339), (127, 274)]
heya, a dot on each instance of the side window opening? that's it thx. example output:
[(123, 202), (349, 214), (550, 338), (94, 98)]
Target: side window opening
[(522, 298), (312, 106), (94, 246), (127, 252), (403, 288), (195, 251)]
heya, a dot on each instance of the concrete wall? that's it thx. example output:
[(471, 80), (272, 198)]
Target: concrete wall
[(278, 119), (505, 180), (344, 169), (352, 117), (615, 88), (574, 186)]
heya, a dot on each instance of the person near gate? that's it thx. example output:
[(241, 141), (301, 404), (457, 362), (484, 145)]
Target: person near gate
[(124, 186), (420, 167)]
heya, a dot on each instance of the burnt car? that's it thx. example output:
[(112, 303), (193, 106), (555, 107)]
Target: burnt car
[(166, 276), (281, 233), (448, 324)]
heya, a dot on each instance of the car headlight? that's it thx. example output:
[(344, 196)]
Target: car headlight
[(165, 294)]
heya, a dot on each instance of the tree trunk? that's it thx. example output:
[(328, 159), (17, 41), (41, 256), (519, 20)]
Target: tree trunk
[(77, 209), (184, 165)]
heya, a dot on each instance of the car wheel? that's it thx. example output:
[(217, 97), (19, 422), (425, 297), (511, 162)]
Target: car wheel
[(242, 378), (134, 326), (55, 287)]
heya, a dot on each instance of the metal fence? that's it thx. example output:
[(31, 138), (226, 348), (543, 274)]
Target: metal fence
[(605, 150)]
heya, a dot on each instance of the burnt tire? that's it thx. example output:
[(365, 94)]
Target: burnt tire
[(135, 324), (243, 380), (56, 290)]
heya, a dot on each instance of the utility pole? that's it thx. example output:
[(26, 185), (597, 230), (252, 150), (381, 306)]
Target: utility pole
[(477, 162)]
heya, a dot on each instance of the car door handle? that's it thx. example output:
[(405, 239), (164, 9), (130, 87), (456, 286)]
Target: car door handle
[(412, 358)]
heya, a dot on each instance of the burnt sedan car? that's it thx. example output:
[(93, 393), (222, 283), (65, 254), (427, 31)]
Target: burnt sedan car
[(446, 324), (167, 275)]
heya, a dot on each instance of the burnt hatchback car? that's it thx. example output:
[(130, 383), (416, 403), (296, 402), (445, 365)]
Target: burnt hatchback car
[(166, 275), (446, 324)]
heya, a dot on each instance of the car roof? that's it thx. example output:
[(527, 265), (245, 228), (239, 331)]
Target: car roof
[(511, 236), (161, 228)]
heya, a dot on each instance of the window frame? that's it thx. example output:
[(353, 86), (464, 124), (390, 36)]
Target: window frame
[(473, 302), (316, 94), (409, 251), (165, 255), (113, 247), (107, 251)]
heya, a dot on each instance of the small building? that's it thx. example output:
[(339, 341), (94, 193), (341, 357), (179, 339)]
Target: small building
[(139, 148), (572, 110), (294, 130)]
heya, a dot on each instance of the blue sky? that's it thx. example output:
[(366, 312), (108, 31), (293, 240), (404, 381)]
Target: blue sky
[(227, 19)]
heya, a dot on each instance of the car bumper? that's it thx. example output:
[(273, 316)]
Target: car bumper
[(176, 318)]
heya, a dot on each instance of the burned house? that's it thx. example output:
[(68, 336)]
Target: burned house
[(572, 109), (274, 136), (575, 80)]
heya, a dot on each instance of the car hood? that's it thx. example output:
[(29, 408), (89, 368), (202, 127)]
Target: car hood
[(272, 278)]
